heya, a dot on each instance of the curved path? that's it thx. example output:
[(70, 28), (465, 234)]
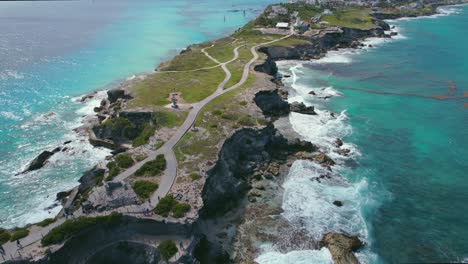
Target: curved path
[(167, 149), (11, 251)]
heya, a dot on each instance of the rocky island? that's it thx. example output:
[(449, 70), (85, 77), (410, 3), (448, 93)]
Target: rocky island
[(201, 148)]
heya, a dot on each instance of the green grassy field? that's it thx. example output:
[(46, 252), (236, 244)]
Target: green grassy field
[(352, 18), (193, 87), (225, 113), (190, 60)]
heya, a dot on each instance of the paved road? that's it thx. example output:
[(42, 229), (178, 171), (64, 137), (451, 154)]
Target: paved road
[(30, 242)]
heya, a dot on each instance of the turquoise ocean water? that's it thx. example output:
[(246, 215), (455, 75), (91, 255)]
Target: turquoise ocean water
[(53, 52), (402, 109)]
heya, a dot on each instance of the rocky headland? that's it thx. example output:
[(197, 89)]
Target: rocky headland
[(242, 190)]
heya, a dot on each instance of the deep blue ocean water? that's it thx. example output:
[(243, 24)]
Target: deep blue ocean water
[(51, 52), (402, 109)]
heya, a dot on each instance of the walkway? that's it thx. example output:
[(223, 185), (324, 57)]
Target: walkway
[(30, 242)]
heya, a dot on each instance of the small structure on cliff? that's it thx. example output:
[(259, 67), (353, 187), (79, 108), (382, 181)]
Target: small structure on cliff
[(282, 25)]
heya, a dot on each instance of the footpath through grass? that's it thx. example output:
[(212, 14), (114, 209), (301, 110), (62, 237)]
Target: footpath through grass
[(193, 87)]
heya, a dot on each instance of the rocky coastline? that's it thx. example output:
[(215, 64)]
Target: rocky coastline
[(242, 194)]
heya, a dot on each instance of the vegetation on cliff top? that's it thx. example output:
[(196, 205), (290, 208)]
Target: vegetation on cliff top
[(144, 189), (4, 236), (152, 168), (168, 204), (46, 222), (124, 161), (72, 227), (19, 233), (168, 249)]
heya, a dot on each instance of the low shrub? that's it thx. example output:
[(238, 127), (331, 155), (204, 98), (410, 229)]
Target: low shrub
[(229, 116), (194, 176), (4, 236), (167, 249), (145, 135), (46, 222), (114, 171), (124, 161), (180, 209), (70, 228), (245, 121), (152, 168), (168, 204), (165, 205), (144, 189), (111, 165), (19, 233), (243, 103), (213, 125), (217, 112), (140, 157)]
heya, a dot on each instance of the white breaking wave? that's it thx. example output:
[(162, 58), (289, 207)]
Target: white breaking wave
[(10, 74), (310, 189), (10, 115), (308, 201), (321, 256)]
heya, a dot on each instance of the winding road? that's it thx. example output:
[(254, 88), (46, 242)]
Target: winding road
[(29, 243)]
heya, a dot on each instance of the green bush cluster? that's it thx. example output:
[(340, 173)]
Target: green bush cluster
[(114, 170), (145, 135), (168, 249), (217, 112), (124, 161), (245, 121), (4, 236), (72, 227), (168, 204), (194, 176), (180, 209), (46, 222), (144, 189), (152, 168), (19, 233)]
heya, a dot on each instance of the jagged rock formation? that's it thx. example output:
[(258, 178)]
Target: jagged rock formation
[(228, 182), (342, 247), (302, 108), (116, 94), (116, 131), (343, 38), (271, 103)]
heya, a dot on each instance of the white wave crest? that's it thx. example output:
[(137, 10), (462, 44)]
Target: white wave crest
[(309, 196), (10, 115), (10, 74), (321, 256)]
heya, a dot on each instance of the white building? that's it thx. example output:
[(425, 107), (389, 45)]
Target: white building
[(282, 25)]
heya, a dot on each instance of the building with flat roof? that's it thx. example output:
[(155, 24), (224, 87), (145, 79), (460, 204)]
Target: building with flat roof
[(282, 25)]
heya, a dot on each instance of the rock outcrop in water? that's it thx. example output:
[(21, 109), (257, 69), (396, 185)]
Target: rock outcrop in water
[(342, 247), (302, 108), (41, 160)]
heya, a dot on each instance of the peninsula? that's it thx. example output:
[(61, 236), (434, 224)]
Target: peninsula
[(201, 147)]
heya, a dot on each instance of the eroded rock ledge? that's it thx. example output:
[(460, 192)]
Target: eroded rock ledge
[(241, 154)]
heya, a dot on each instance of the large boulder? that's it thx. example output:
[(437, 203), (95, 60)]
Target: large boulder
[(39, 161), (302, 108), (324, 160), (116, 94), (342, 247)]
